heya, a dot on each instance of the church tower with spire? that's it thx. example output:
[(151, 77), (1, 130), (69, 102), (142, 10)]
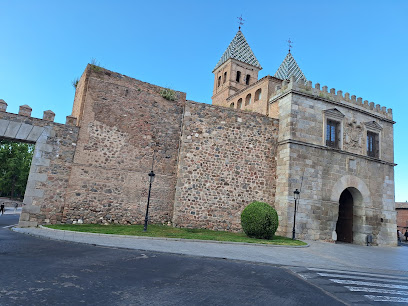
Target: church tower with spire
[(236, 69), (236, 82)]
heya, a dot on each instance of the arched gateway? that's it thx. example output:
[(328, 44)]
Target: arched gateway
[(344, 226), (352, 196)]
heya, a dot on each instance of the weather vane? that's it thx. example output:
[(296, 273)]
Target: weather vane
[(240, 22), (289, 44)]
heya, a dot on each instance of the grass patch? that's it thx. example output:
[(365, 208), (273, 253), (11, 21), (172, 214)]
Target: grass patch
[(172, 232)]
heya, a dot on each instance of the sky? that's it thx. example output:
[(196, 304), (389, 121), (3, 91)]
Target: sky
[(360, 47)]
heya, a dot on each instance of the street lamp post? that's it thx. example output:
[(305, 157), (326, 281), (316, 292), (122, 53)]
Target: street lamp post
[(151, 179), (296, 195)]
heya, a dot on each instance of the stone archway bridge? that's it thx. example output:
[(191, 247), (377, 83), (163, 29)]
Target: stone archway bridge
[(51, 165)]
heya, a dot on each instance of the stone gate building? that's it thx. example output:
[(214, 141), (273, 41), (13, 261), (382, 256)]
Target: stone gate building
[(260, 140)]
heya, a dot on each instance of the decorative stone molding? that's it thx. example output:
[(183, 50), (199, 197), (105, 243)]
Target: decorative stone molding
[(353, 136), (334, 114), (373, 126)]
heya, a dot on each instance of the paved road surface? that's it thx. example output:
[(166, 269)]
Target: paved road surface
[(37, 271)]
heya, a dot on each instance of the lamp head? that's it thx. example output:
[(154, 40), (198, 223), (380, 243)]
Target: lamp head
[(296, 194)]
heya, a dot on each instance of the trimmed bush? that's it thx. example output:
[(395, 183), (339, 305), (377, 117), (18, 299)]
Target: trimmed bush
[(259, 220)]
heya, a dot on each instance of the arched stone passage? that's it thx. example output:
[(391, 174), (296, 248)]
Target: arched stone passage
[(344, 225), (50, 168), (352, 192)]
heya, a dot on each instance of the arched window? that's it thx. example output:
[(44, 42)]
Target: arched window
[(238, 76), (232, 105), (248, 99), (225, 77), (258, 94), (239, 104), (219, 81), (248, 77)]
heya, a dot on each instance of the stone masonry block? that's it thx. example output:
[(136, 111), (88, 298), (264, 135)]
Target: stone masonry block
[(44, 147), (28, 200), (35, 193), (39, 161), (31, 209), (12, 129), (3, 126), (35, 133), (27, 224), (39, 177), (25, 216), (24, 131)]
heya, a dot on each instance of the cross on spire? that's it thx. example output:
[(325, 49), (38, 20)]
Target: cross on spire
[(289, 44), (240, 21)]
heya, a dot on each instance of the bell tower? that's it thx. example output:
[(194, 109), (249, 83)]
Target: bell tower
[(237, 68)]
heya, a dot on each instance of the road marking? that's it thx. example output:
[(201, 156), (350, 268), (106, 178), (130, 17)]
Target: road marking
[(376, 290), (360, 277), (381, 298), (359, 283), (9, 226), (358, 273)]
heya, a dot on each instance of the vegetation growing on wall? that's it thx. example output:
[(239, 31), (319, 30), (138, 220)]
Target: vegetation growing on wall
[(15, 162)]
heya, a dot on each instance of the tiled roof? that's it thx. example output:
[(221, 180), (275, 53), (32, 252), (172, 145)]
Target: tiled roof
[(240, 50), (401, 205), (288, 68)]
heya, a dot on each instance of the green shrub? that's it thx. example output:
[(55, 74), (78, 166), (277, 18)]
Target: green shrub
[(259, 220)]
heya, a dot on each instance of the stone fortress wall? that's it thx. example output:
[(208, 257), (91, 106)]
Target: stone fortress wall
[(227, 160), (326, 171), (210, 161), (55, 146)]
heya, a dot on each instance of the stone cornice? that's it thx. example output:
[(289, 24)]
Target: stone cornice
[(302, 143), (311, 96)]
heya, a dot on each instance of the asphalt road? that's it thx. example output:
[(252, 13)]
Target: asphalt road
[(36, 271)]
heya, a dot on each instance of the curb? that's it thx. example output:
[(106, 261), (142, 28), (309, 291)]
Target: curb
[(75, 233)]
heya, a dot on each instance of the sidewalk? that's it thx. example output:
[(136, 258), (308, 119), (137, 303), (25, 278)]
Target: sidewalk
[(317, 255), (12, 211)]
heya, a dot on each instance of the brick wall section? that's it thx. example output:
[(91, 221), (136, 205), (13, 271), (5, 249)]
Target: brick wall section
[(55, 146), (402, 215), (227, 160), (121, 122)]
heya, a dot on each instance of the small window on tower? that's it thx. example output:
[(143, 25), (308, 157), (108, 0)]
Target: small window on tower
[(225, 77), (219, 81), (239, 103), (238, 76), (232, 105), (248, 99), (248, 77), (372, 144), (258, 94)]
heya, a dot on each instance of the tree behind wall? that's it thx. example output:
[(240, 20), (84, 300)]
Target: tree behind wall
[(15, 162)]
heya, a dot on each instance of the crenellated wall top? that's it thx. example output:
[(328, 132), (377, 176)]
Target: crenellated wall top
[(324, 93), (48, 115)]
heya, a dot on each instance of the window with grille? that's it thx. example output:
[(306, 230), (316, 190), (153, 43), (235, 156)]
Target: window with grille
[(372, 144), (332, 134)]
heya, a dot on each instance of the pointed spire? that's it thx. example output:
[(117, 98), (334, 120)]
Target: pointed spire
[(289, 68), (240, 50)]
